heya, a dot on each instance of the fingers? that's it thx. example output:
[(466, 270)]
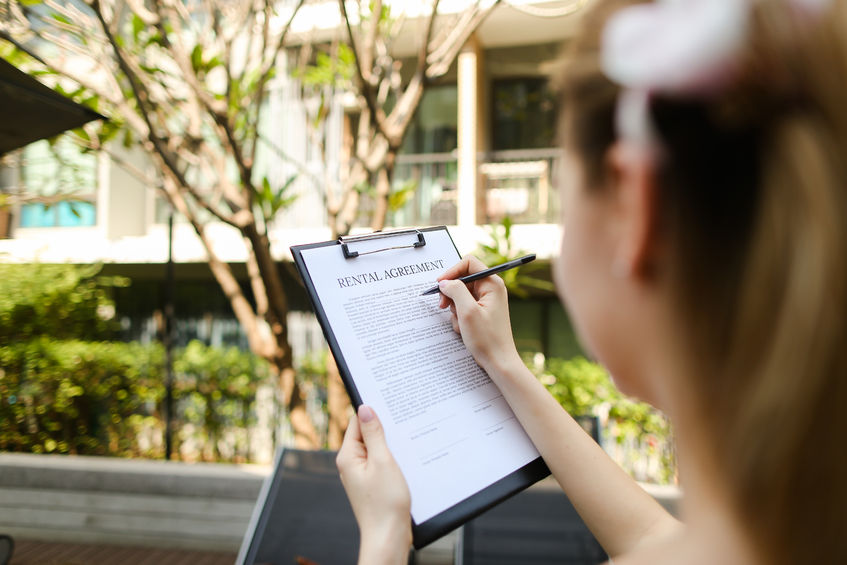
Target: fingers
[(466, 266), (376, 488), (444, 302), (372, 432), (458, 293), (352, 446)]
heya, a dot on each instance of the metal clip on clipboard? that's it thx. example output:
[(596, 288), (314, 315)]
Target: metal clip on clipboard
[(345, 241)]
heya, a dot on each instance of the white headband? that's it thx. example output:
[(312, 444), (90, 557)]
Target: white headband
[(685, 47)]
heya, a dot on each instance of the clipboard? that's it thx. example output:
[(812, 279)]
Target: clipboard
[(408, 244)]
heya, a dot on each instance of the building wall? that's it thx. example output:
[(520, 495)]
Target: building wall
[(130, 234)]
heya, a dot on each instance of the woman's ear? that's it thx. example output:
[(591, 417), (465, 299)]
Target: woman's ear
[(631, 175)]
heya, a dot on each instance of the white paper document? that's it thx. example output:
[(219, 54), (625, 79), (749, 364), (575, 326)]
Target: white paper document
[(448, 426)]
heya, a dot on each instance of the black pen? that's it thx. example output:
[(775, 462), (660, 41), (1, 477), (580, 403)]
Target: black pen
[(488, 272)]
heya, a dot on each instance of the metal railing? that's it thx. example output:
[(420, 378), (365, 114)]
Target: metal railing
[(519, 184), (434, 200)]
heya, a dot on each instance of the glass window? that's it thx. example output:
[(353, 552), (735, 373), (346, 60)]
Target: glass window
[(434, 127), (59, 168), (66, 214), (518, 179), (524, 114), (426, 171)]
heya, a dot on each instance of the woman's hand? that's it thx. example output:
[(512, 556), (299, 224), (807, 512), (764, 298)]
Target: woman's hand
[(377, 491), (480, 314)]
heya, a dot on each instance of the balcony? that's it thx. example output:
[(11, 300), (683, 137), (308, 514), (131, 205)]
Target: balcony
[(434, 201), (518, 184)]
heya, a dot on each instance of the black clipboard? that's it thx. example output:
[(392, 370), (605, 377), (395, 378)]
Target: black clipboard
[(437, 526)]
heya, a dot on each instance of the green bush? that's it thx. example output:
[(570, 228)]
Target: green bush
[(60, 301), (65, 389), (77, 397), (579, 385), (101, 398), (216, 390)]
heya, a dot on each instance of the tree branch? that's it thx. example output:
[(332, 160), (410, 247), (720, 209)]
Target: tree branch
[(265, 72), (223, 274), (376, 114), (440, 58), (142, 98), (423, 50), (219, 115)]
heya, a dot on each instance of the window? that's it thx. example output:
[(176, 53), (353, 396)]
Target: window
[(426, 161), (524, 114), (518, 180), (65, 214), (434, 127), (60, 168)]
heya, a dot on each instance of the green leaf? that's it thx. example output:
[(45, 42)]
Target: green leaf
[(137, 26), (346, 61), (267, 192), (212, 63), (280, 200), (197, 58), (155, 39), (398, 198), (82, 134)]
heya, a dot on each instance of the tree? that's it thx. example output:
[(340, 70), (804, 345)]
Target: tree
[(186, 81), (363, 62)]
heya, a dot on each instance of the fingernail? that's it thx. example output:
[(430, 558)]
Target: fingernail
[(442, 283), (366, 414)]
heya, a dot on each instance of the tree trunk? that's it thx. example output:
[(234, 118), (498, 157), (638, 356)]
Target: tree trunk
[(5, 222), (274, 347), (383, 190), (305, 434), (338, 404)]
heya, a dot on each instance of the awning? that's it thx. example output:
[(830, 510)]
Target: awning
[(30, 111)]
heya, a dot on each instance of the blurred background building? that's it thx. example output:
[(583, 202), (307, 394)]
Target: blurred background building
[(481, 148)]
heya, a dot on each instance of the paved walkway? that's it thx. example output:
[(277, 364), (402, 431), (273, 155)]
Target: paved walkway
[(41, 553)]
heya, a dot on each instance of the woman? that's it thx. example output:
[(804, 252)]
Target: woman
[(704, 263)]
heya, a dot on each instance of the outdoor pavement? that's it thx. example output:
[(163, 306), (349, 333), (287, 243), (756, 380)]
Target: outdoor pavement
[(41, 553)]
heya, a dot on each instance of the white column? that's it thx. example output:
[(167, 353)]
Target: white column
[(470, 130)]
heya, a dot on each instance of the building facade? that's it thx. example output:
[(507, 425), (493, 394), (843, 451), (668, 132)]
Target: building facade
[(481, 148)]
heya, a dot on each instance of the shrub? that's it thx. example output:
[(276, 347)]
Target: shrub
[(61, 301), (216, 393), (64, 389), (77, 397), (102, 398)]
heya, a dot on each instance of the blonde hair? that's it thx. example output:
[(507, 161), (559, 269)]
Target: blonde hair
[(753, 196)]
